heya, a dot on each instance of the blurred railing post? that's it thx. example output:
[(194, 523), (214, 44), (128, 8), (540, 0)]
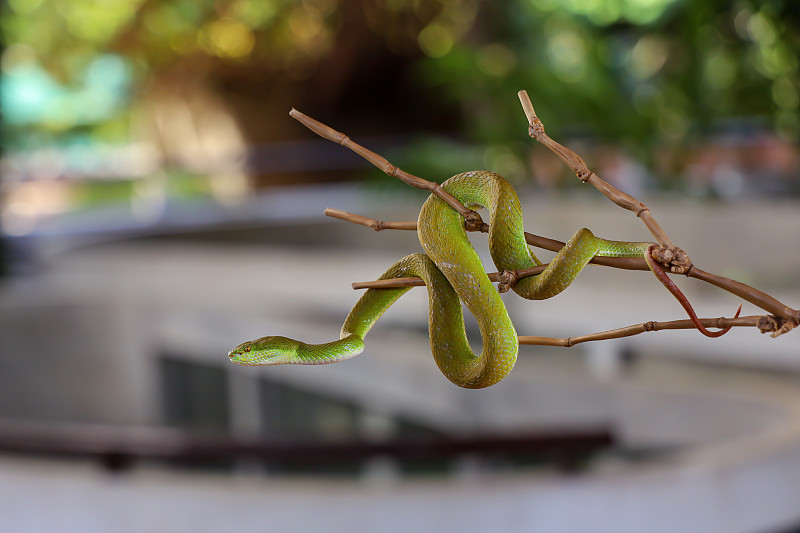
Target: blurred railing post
[(3, 253), (3, 245)]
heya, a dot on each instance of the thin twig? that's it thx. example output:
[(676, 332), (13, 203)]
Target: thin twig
[(790, 317), (578, 165), (626, 263), (395, 283), (683, 264), (642, 328), (379, 161), (377, 225), (746, 292)]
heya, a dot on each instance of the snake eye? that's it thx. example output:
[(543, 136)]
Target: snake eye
[(248, 348)]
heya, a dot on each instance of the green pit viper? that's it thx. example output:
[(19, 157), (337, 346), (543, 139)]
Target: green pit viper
[(453, 273)]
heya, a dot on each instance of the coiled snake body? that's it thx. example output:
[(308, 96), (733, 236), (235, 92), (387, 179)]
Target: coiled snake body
[(453, 273)]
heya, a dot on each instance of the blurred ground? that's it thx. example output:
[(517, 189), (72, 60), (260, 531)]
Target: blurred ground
[(686, 409)]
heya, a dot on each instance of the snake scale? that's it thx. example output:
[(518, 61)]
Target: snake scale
[(453, 273)]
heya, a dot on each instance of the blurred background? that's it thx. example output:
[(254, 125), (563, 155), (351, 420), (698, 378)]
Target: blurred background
[(158, 206)]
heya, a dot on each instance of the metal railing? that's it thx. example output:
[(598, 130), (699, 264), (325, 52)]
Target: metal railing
[(117, 448)]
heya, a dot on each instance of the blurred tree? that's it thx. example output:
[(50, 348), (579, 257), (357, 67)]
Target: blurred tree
[(3, 246), (636, 72)]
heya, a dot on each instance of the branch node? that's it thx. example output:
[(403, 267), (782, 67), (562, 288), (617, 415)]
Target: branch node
[(507, 279), (775, 325), (650, 326), (584, 174), (536, 129), (474, 222), (674, 259)]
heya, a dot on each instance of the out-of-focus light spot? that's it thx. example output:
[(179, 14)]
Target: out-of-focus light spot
[(545, 5), (183, 43), (648, 56), (254, 13), (435, 40), (18, 56), (773, 61), (645, 11), (97, 22), (308, 30), (673, 123), (463, 12), (646, 100), (719, 69), (24, 7), (108, 72), (605, 12), (567, 55), (496, 59), (15, 224), (761, 29), (398, 6), (229, 38), (325, 7), (165, 21), (26, 203), (599, 11), (741, 21), (230, 188), (787, 124), (25, 92), (784, 93), (501, 159), (28, 94)]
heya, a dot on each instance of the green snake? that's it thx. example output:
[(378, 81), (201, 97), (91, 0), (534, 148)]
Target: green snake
[(453, 273)]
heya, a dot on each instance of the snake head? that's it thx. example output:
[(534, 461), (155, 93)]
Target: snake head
[(272, 350)]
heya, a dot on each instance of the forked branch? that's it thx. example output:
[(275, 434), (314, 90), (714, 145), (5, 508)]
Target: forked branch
[(626, 263), (644, 327), (379, 161), (674, 258), (746, 292), (578, 166)]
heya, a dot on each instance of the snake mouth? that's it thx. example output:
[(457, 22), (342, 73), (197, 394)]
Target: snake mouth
[(239, 362)]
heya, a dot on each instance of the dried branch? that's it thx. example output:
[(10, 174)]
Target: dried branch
[(752, 295), (331, 134), (791, 317), (377, 225), (674, 257), (629, 331), (578, 165), (497, 277), (626, 263)]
